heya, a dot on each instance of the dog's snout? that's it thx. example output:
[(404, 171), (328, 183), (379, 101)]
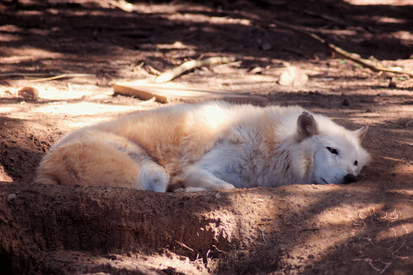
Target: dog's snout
[(349, 178)]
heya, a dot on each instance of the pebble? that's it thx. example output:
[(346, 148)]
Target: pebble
[(346, 102), (392, 84), (266, 46), (11, 197), (29, 93)]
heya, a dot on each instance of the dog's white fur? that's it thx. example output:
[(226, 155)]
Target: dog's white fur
[(214, 145)]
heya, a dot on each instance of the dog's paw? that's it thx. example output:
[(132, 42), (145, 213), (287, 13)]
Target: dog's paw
[(195, 189), (227, 186)]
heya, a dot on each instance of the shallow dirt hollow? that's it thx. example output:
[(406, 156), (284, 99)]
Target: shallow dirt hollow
[(362, 228)]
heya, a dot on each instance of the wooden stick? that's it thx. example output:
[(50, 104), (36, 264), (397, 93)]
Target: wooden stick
[(169, 75), (23, 74), (61, 76), (375, 67), (52, 77), (184, 245)]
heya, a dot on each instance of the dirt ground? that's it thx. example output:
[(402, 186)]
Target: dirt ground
[(362, 228)]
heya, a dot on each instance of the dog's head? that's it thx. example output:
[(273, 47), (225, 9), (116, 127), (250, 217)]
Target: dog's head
[(337, 153)]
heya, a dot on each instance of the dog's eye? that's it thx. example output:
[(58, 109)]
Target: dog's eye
[(355, 163), (332, 150)]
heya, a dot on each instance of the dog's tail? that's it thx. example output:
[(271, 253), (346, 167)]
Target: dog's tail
[(88, 164), (55, 168)]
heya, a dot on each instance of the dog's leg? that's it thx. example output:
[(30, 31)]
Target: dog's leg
[(153, 177), (221, 168), (198, 179)]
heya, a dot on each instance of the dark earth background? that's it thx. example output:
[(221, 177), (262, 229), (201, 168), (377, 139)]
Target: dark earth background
[(362, 228)]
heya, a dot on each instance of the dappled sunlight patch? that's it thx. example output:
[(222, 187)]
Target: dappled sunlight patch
[(132, 263), (156, 8), (207, 19), (379, 2), (372, 237), (401, 169), (4, 176), (332, 236), (405, 169), (406, 192), (8, 38), (379, 238), (24, 52), (77, 109), (384, 19), (335, 216)]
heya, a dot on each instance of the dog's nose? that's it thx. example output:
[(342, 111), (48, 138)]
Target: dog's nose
[(349, 178)]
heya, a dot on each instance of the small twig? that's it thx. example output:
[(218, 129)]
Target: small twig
[(61, 76), (152, 70), (408, 123), (375, 67), (120, 4), (184, 245), (23, 74), (169, 75), (219, 250), (140, 65), (52, 77)]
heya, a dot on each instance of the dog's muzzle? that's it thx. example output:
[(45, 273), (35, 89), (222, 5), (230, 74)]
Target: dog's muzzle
[(349, 178)]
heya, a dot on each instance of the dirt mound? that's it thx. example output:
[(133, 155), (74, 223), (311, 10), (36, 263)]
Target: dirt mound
[(304, 229)]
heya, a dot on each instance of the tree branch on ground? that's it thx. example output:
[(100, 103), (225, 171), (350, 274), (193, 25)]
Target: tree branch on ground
[(374, 66), (174, 73)]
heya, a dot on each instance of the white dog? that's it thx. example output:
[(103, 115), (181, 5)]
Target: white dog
[(214, 145)]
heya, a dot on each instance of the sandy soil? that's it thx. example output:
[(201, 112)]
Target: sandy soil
[(362, 228)]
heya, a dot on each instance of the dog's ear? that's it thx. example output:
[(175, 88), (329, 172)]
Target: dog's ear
[(306, 126), (361, 133)]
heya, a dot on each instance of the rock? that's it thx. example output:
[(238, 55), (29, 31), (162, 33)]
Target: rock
[(392, 84), (11, 197), (30, 93), (266, 46), (86, 97), (293, 76)]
